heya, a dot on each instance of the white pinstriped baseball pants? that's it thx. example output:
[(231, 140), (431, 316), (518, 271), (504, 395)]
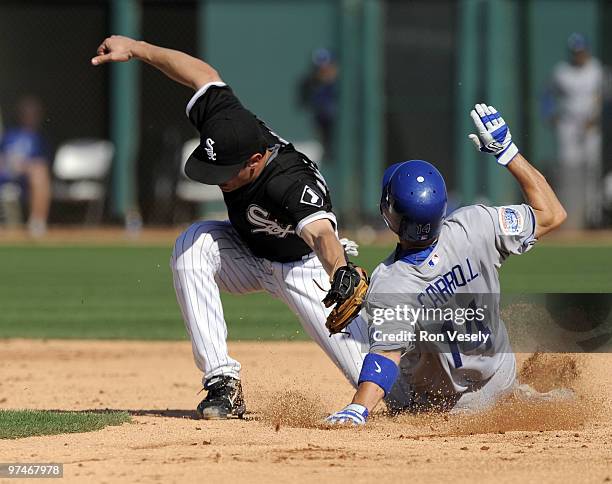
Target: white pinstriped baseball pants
[(210, 256)]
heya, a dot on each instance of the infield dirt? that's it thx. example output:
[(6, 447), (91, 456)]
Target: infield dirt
[(289, 387)]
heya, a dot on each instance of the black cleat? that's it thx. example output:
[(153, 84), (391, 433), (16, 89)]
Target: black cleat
[(224, 399)]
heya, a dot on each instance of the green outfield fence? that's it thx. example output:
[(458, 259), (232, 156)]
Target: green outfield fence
[(409, 73)]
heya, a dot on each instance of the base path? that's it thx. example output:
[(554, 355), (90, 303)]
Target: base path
[(289, 387)]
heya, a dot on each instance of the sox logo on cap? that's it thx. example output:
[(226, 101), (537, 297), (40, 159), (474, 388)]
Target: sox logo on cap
[(210, 150)]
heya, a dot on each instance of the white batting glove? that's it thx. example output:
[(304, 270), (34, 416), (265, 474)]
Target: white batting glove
[(353, 414), (350, 247), (493, 134)]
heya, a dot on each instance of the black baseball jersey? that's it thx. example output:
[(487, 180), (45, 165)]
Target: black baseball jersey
[(290, 192)]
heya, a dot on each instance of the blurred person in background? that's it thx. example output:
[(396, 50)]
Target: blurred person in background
[(24, 160), (318, 91), (573, 104)]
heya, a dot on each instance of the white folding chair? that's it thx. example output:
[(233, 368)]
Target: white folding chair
[(81, 170), (607, 190), (311, 148), (10, 204)]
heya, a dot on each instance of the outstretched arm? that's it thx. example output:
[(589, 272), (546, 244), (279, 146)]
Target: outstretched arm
[(177, 65), (322, 239), (369, 394), (378, 374), (547, 208), (494, 137)]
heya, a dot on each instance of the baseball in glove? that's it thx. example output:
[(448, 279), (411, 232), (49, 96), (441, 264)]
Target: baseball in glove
[(348, 289)]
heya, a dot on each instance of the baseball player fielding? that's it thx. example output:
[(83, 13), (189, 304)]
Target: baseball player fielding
[(281, 236)]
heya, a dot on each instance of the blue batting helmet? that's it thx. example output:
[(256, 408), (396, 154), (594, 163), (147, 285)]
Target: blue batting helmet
[(413, 201)]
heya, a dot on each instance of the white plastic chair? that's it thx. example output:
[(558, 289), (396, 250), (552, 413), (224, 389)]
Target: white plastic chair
[(607, 190), (10, 204), (192, 191), (81, 170), (311, 148)]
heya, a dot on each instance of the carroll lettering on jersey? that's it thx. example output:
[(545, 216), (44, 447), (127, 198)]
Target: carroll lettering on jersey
[(442, 289), (260, 217)]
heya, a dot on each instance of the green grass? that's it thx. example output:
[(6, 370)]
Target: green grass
[(126, 292), (15, 424)]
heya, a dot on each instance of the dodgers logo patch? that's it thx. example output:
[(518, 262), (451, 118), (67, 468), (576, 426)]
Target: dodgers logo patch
[(510, 221)]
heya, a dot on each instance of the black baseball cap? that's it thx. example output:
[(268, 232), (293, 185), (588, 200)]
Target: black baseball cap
[(226, 143)]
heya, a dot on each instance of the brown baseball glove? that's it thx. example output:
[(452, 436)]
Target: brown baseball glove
[(348, 289)]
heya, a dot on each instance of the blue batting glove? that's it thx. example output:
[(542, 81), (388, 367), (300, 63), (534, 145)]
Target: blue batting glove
[(354, 414), (493, 134)]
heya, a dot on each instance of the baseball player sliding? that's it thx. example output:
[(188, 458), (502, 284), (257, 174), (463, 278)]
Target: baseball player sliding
[(436, 338), (281, 236)]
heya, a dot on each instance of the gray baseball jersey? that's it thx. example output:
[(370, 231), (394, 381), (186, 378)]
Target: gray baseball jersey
[(447, 306), (580, 89)]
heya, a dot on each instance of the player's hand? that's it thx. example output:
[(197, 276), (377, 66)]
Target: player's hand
[(343, 284), (115, 49), (493, 134), (353, 414)]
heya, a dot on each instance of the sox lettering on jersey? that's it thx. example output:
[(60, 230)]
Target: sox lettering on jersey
[(260, 217)]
